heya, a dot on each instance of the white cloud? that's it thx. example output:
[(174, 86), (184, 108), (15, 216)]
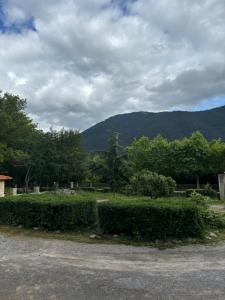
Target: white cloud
[(88, 59)]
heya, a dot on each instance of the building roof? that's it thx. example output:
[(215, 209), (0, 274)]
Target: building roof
[(3, 178)]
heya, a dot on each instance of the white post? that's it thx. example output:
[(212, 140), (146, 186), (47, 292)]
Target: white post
[(2, 189), (36, 189), (221, 179), (14, 191), (71, 185)]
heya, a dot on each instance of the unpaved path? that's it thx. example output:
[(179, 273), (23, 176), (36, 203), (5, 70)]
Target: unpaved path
[(50, 269)]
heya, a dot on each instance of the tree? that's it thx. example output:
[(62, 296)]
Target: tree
[(96, 168), (57, 157), (217, 163), (187, 158), (191, 157), (15, 130), (15, 127), (149, 154), (114, 163), (72, 156)]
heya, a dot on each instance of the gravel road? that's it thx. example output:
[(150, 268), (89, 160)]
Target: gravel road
[(51, 269)]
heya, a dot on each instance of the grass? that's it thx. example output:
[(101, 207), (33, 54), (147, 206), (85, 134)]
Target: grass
[(83, 236)]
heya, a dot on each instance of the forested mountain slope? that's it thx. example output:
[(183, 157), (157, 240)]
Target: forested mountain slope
[(171, 125)]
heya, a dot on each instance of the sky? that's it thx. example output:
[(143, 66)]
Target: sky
[(78, 62)]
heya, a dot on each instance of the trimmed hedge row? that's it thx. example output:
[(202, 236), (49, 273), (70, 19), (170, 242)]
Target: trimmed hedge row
[(151, 220), (158, 219), (53, 212)]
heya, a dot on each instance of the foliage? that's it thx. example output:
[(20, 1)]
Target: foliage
[(187, 158), (15, 127), (32, 156), (191, 156), (217, 163), (212, 219), (53, 212), (151, 219), (208, 191), (113, 160), (151, 184), (150, 154), (109, 166)]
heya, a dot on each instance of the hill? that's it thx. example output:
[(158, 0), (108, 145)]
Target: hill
[(171, 125)]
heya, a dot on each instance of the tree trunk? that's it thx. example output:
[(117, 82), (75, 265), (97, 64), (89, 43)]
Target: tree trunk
[(27, 179)]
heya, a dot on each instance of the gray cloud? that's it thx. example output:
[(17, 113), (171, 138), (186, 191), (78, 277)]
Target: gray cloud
[(90, 59)]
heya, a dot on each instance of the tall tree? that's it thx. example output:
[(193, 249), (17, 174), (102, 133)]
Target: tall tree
[(191, 157), (114, 163), (16, 128)]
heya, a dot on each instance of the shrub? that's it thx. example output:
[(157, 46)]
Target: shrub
[(151, 220), (207, 191), (151, 184), (213, 220), (52, 212), (199, 198)]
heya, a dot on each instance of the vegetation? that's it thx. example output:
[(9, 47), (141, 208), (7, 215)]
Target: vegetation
[(34, 156), (207, 191), (50, 211), (147, 167), (171, 125), (152, 220), (151, 184), (132, 218)]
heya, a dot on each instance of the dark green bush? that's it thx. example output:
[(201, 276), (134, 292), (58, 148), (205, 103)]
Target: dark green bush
[(151, 184), (157, 219), (53, 212)]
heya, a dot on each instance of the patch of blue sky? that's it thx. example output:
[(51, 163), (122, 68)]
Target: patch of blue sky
[(211, 103), (17, 28)]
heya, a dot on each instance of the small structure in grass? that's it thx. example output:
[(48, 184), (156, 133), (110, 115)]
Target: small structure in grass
[(3, 179)]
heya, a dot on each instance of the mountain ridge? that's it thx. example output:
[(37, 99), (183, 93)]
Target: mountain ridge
[(170, 124)]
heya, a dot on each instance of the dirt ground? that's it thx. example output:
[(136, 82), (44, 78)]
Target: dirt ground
[(49, 269)]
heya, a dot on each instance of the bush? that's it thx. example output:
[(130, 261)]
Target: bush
[(53, 212), (207, 191), (151, 184), (213, 220), (199, 199), (151, 220)]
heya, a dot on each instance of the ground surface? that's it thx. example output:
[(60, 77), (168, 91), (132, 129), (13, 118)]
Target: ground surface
[(50, 269)]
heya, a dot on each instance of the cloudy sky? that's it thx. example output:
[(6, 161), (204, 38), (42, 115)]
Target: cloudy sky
[(78, 62)]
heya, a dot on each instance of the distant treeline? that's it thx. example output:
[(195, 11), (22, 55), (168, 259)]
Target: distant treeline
[(33, 156)]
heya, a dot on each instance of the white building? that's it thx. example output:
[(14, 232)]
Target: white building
[(2, 184)]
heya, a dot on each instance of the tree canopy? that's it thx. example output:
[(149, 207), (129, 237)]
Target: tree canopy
[(34, 156)]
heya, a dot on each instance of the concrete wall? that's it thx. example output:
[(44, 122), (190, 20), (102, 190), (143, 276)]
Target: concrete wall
[(2, 188), (221, 179)]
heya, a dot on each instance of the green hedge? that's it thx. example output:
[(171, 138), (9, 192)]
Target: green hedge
[(53, 212), (151, 219)]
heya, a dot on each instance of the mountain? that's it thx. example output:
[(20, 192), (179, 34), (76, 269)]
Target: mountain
[(171, 125)]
